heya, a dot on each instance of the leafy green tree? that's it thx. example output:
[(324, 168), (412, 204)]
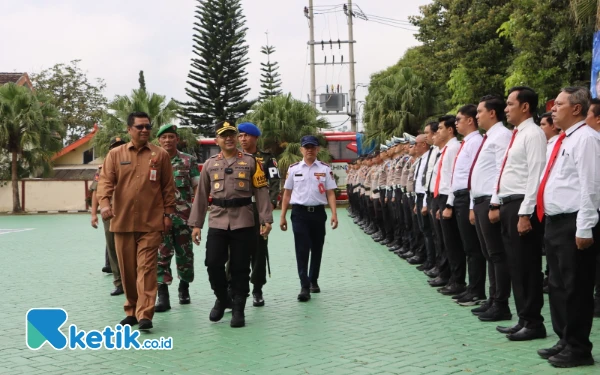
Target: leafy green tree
[(161, 111), (270, 81), (142, 81), (283, 121), (31, 132), (397, 102), (81, 102), (217, 83)]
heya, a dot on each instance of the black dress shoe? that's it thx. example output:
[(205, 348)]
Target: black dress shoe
[(506, 330), (482, 308), (304, 295), (416, 260), (527, 334), (433, 273), (118, 291), (424, 266), (547, 353), (257, 299), (461, 295), (385, 242), (495, 314), (145, 324), (438, 282), (394, 248), (314, 288), (408, 254), (566, 359), (106, 269), (453, 289), (129, 321)]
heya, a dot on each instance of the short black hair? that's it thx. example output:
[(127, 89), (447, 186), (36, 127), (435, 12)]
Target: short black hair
[(133, 115), (595, 106), (469, 110), (434, 126), (526, 95), (496, 104), (548, 117), (449, 121)]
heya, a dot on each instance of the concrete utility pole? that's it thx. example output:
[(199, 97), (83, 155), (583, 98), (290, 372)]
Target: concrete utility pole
[(352, 92), (313, 88)]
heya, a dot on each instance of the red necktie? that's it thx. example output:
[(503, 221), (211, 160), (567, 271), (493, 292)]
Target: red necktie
[(475, 161), (540, 194), (436, 190), (512, 140), (455, 159)]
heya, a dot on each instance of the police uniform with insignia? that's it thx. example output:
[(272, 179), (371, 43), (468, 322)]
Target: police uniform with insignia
[(110, 252), (231, 178), (259, 259), (179, 241), (308, 188)]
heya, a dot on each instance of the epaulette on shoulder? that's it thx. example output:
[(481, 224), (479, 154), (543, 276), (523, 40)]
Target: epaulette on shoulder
[(325, 164), (247, 154), (214, 156), (293, 165)]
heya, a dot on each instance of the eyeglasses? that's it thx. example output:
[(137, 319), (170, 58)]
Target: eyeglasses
[(142, 127), (225, 136)]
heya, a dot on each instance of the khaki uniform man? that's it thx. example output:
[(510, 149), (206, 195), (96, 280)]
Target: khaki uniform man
[(232, 178)]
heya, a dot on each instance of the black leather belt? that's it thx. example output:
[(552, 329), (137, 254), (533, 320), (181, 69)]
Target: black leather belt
[(231, 203), (481, 199), (308, 208), (460, 193), (559, 217), (420, 194), (511, 198)]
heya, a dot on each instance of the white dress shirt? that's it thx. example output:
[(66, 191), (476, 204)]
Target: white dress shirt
[(524, 165), (434, 162), (574, 182), (489, 162), (419, 188), (549, 147), (447, 165), (464, 161), (303, 180)]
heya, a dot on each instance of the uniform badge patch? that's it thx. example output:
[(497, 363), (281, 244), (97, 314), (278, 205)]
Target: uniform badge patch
[(242, 184), (241, 175), (242, 163), (216, 176), (217, 185)]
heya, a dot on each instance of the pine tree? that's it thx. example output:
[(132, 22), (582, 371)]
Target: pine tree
[(217, 79), (270, 81), (142, 81)]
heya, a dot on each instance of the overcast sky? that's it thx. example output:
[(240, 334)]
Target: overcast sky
[(116, 39)]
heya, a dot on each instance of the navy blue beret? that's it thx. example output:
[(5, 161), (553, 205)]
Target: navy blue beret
[(249, 128)]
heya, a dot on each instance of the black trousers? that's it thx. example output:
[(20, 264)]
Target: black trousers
[(419, 242), (470, 241), (524, 257), (441, 257), (378, 215), (386, 222), (240, 243), (597, 295), (490, 238), (309, 237), (258, 258), (426, 230), (571, 282), (454, 247), (399, 219), (390, 228), (408, 223)]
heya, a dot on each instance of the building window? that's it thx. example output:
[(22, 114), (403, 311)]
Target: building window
[(88, 156)]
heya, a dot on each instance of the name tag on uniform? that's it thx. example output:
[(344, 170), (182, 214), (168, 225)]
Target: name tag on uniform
[(320, 174), (125, 162), (152, 174), (298, 175)]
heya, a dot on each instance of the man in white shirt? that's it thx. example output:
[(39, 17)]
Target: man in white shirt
[(593, 121), (309, 186), (428, 257), (449, 147), (569, 197), (516, 191), (440, 274), (459, 205), (482, 180)]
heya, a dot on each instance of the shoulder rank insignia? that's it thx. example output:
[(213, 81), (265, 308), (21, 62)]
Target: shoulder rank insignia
[(242, 163)]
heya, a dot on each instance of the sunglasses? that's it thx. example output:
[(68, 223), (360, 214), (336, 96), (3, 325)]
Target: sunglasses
[(227, 135), (142, 127)]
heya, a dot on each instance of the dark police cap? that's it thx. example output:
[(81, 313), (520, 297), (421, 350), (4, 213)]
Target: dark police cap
[(224, 126), (115, 141), (309, 140)]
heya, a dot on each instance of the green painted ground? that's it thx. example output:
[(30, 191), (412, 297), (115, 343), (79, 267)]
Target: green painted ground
[(376, 314)]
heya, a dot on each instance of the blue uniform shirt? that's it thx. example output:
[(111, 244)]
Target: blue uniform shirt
[(304, 182)]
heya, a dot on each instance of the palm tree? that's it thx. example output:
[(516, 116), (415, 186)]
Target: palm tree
[(160, 111), (283, 121), (30, 130), (397, 102), (586, 11)]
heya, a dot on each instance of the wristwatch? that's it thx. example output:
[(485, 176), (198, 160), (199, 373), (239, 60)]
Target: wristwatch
[(170, 216), (494, 207)]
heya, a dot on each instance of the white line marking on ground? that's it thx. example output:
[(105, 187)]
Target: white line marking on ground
[(5, 231)]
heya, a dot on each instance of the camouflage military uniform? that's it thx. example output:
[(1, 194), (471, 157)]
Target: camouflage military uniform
[(179, 241)]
